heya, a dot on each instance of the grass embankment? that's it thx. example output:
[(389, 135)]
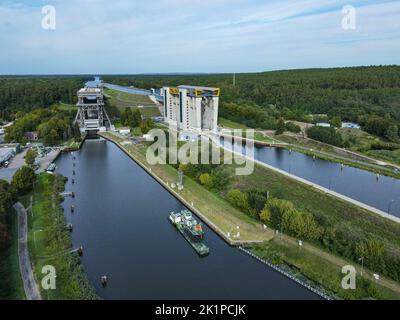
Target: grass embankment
[(258, 136), (324, 151), (333, 212), (11, 286), (361, 141), (72, 144), (328, 153), (122, 100), (50, 244), (214, 208), (324, 270)]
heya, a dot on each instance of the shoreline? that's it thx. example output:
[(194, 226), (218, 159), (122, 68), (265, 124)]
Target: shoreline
[(210, 224), (233, 243)]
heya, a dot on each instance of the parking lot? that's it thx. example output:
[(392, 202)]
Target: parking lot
[(17, 162)]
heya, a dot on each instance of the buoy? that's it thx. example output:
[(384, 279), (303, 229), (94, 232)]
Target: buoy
[(341, 166), (104, 280), (80, 251), (73, 194), (73, 181), (70, 227), (74, 165), (73, 172), (314, 157), (72, 208), (377, 176)]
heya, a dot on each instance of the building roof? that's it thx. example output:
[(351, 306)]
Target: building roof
[(89, 90)]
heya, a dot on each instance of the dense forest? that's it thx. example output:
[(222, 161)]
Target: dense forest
[(27, 93), (259, 99), (367, 95)]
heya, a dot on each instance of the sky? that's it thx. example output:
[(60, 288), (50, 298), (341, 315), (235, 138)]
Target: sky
[(187, 36)]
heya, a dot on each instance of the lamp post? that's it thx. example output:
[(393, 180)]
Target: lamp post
[(34, 235), (362, 265)]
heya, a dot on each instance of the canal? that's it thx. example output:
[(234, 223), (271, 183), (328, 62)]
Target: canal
[(358, 184), (121, 221)]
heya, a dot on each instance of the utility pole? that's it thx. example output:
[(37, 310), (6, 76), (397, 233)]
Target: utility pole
[(362, 265)]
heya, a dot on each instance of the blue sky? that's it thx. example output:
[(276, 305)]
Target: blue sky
[(161, 36)]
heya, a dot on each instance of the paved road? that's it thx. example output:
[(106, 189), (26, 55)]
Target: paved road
[(49, 158), (31, 289), (17, 162)]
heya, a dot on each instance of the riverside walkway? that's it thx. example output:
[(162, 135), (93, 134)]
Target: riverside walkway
[(31, 289)]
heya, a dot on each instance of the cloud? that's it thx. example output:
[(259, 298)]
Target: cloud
[(102, 36)]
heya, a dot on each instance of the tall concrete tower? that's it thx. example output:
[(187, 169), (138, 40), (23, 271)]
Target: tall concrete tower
[(191, 107), (92, 116)]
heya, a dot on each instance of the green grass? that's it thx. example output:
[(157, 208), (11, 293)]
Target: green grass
[(302, 263), (305, 198), (53, 244), (229, 124), (11, 286), (67, 107), (361, 141)]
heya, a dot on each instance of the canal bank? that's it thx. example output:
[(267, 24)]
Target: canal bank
[(121, 219), (314, 254), (188, 203), (358, 187)]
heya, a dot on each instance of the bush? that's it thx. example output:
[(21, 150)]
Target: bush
[(5, 238), (326, 135), (206, 180), (23, 180), (256, 201), (238, 199), (290, 126), (281, 214)]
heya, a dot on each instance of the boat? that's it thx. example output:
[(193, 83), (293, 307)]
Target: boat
[(51, 168), (191, 230)]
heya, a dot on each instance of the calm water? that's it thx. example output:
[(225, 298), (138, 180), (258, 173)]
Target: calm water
[(358, 184), (142, 92), (121, 221)]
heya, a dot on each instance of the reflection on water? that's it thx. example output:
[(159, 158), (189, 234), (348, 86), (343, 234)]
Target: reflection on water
[(121, 219), (361, 185)]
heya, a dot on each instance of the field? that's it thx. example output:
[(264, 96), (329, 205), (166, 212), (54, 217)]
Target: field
[(308, 261), (361, 141), (334, 213), (122, 100), (49, 241)]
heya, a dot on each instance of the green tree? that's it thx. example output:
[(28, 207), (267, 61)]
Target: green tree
[(336, 122), (146, 125), (23, 180), (136, 118), (280, 127), (30, 157), (6, 199), (256, 200), (238, 199), (392, 134), (206, 180), (77, 132)]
